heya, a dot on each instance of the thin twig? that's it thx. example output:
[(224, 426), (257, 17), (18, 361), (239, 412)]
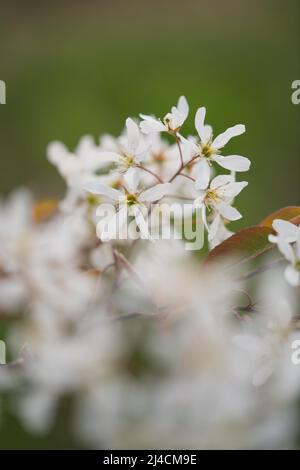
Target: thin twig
[(250, 307), (174, 196), (150, 172), (129, 268), (180, 150), (263, 268), (187, 176), (182, 167), (128, 316)]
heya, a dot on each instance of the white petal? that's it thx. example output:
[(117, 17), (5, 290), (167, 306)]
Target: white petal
[(233, 162), (231, 190), (198, 202), (98, 188), (202, 174), (298, 244), (150, 124), (189, 147), (273, 238), (221, 180), (131, 179), (141, 222), (285, 230), (286, 249), (56, 152), (223, 138), (199, 123), (214, 227), (85, 145), (263, 374), (108, 230), (114, 225), (255, 346), (110, 157), (183, 107), (176, 118), (292, 276), (207, 133), (133, 135), (155, 193), (204, 217), (228, 212)]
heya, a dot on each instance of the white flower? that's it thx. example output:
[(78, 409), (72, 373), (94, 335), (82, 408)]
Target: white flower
[(219, 195), (130, 201), (171, 123), (130, 150), (288, 241), (162, 158), (16, 230), (76, 167), (265, 350), (218, 232), (286, 232), (84, 161), (208, 149)]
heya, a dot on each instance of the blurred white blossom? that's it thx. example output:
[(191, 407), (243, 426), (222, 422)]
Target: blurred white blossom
[(151, 346)]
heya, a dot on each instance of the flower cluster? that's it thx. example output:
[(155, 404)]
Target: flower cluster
[(140, 167), (145, 339)]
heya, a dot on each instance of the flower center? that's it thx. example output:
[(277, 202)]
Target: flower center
[(167, 120), (212, 197), (131, 199), (207, 151), (93, 200), (128, 159)]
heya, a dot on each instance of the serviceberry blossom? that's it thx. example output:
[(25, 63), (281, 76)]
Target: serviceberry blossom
[(130, 201), (218, 232), (218, 196), (123, 326), (131, 152), (208, 149), (76, 167), (288, 242), (171, 123)]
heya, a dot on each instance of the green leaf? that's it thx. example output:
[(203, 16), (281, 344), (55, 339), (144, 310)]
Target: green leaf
[(291, 213)]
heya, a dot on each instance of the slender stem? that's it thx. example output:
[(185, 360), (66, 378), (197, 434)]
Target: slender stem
[(107, 267), (262, 269), (150, 172), (249, 307), (187, 176), (175, 196), (129, 268), (182, 167), (128, 316), (180, 150)]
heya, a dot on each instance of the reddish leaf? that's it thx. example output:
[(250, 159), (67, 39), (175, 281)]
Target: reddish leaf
[(243, 245), (291, 213)]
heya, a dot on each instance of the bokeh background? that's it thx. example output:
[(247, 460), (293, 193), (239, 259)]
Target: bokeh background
[(77, 67)]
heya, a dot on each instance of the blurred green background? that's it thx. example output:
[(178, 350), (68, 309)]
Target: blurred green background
[(77, 67)]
